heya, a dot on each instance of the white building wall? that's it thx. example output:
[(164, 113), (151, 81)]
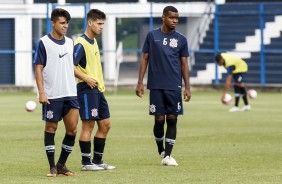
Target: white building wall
[(23, 47), (23, 14)]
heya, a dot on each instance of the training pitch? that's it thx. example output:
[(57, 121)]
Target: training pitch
[(212, 146)]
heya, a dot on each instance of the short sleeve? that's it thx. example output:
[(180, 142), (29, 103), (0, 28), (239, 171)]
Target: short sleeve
[(184, 51), (230, 70), (40, 54), (146, 44), (78, 54)]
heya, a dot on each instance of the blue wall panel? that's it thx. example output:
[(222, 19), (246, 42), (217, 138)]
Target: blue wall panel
[(7, 55)]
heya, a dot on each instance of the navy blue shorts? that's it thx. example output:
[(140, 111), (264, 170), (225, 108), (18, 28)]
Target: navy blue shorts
[(93, 106), (163, 102), (56, 110), (239, 77)]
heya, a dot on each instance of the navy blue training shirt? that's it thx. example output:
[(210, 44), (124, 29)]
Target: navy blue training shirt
[(165, 52)]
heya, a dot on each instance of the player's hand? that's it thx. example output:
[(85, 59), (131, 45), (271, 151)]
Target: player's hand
[(139, 90), (222, 98), (92, 83), (187, 95), (43, 99)]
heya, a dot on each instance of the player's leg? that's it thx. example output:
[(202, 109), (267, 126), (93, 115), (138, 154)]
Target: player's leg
[(170, 136), (99, 143), (237, 95), (239, 82), (100, 137), (87, 112), (70, 117), (51, 114), (157, 109), (85, 141), (49, 142), (236, 78), (173, 108), (159, 133), (244, 95)]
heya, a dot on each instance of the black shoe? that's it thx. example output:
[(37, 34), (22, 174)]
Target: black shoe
[(53, 172), (62, 169)]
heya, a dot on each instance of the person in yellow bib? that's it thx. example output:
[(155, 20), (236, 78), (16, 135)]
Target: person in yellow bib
[(90, 88), (236, 68)]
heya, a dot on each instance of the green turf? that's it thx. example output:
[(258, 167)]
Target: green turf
[(213, 146)]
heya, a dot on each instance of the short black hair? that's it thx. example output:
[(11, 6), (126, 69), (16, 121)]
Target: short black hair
[(218, 57), (59, 12), (95, 14), (169, 8)]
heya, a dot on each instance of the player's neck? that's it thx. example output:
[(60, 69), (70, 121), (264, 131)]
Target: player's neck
[(56, 36), (166, 30), (89, 34)]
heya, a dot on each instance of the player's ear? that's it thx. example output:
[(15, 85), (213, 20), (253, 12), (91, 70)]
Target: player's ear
[(89, 23)]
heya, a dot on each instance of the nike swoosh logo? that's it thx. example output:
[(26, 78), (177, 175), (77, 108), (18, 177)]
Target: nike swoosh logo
[(60, 56)]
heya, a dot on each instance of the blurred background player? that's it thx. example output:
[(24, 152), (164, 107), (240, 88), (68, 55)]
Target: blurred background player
[(236, 68), (57, 89), (90, 88), (165, 51)]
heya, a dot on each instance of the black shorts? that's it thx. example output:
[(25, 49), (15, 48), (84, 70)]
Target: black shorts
[(163, 102), (239, 77), (56, 110), (93, 106)]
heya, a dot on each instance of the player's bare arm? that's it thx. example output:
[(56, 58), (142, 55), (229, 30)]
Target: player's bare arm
[(185, 74), (142, 69), (89, 81), (39, 81)]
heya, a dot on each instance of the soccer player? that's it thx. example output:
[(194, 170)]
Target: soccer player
[(236, 68), (90, 88), (165, 51), (57, 89)]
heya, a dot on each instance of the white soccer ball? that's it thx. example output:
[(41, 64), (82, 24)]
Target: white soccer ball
[(252, 93), (227, 99), (30, 106)]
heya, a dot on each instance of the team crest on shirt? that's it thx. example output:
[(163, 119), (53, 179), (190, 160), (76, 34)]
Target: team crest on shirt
[(94, 112), (49, 114), (152, 108), (173, 42)]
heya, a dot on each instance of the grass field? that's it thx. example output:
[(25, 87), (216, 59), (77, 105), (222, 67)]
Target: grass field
[(213, 146)]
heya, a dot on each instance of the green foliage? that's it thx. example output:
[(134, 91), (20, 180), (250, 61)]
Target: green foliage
[(127, 31), (76, 26), (212, 146)]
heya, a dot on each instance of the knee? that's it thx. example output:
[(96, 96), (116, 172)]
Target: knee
[(105, 127), (87, 126), (159, 118), (72, 132), (50, 127), (171, 116)]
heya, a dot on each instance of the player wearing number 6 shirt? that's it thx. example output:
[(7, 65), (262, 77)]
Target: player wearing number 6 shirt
[(165, 51)]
